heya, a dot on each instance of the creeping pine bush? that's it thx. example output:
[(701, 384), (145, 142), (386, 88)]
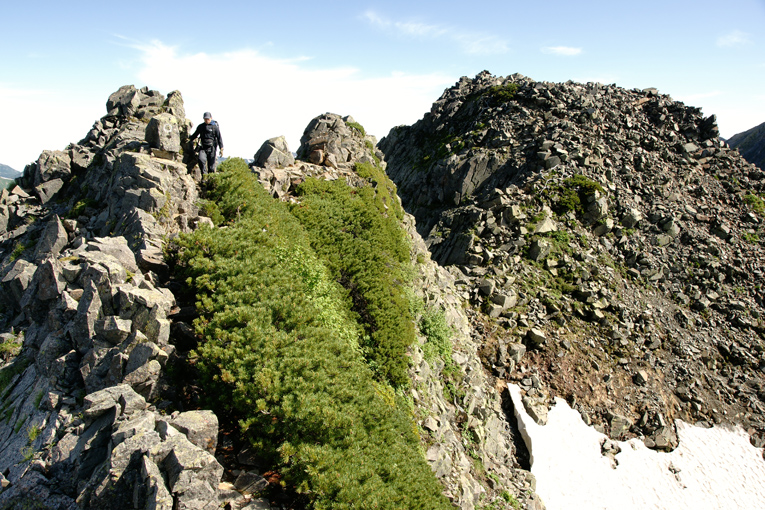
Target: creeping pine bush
[(357, 232), (279, 337), (573, 191)]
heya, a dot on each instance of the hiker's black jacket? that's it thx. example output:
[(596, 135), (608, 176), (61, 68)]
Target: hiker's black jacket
[(209, 135)]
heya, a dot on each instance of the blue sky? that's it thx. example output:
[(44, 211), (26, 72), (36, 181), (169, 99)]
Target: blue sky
[(266, 69)]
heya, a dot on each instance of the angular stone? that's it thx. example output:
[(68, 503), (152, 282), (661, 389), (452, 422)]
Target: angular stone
[(156, 494), (505, 299), (144, 379), (50, 280), (116, 247), (200, 427), (163, 133), (604, 228), (620, 425), (113, 329), (82, 327), (545, 226), (486, 287), (536, 409), (47, 190), (122, 397), (192, 473), (124, 101), (539, 250), (536, 337), (250, 482), (274, 153), (142, 354), (16, 281), (50, 165)]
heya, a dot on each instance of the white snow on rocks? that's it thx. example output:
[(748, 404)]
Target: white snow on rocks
[(713, 469)]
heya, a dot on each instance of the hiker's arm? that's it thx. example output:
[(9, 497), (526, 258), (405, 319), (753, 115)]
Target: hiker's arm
[(220, 139)]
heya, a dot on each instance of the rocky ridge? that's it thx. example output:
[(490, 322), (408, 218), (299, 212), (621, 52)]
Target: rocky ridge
[(611, 232), (86, 321), (90, 329), (751, 145)]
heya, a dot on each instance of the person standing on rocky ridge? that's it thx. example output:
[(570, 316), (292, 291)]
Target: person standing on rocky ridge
[(211, 140)]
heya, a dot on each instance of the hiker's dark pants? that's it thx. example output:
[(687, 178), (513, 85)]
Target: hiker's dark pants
[(207, 159)]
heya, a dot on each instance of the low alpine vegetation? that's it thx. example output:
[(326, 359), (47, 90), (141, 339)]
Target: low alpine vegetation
[(280, 337)]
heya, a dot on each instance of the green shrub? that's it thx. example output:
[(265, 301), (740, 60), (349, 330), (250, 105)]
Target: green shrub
[(573, 192), (358, 127), (501, 94), (438, 333), (279, 337), (356, 232), (756, 203)]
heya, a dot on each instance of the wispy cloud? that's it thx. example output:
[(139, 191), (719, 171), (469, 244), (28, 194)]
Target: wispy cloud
[(735, 38), (563, 51), (472, 43)]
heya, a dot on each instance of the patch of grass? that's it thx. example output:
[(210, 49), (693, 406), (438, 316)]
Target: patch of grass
[(27, 453), (750, 238), (79, 207), (572, 193), (33, 432), (358, 127), (755, 203), (18, 250), (433, 326), (38, 399), (500, 94)]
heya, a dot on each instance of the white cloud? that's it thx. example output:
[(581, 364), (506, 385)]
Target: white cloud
[(255, 97), (42, 119), (735, 38), (471, 43), (564, 51)]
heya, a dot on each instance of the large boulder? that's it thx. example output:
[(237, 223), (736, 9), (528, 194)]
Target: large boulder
[(334, 141), (123, 102), (274, 153), (163, 133), (50, 165)]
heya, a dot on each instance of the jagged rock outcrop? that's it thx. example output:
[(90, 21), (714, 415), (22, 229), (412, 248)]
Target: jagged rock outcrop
[(751, 145), (330, 147), (335, 141), (608, 231), (82, 305)]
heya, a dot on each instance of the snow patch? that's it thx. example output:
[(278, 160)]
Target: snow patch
[(713, 469)]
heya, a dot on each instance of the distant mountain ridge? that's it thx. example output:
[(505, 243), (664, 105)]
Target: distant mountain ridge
[(8, 172), (751, 145)]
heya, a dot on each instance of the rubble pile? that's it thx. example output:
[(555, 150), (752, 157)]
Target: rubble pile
[(611, 233)]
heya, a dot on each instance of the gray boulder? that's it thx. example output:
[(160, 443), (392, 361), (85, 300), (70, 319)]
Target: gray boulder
[(53, 239), (163, 133), (274, 153)]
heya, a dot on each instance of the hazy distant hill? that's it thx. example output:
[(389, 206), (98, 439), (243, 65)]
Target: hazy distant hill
[(8, 172), (751, 145)]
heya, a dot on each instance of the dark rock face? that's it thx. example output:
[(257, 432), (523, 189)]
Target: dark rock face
[(751, 145), (628, 235), (80, 294)]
